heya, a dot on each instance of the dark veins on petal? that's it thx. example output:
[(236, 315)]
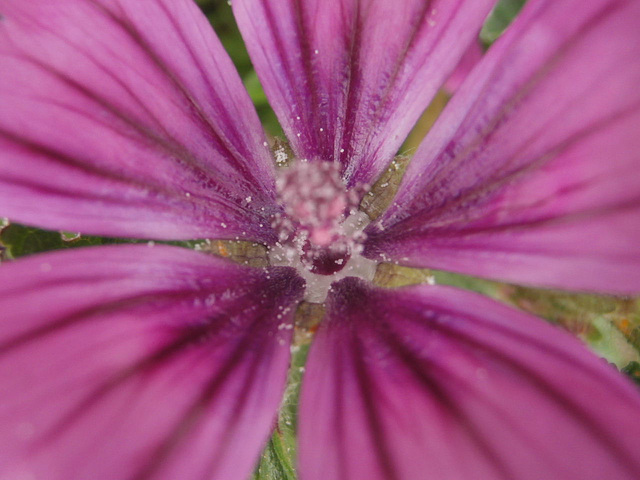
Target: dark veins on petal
[(200, 116), (201, 335), (386, 333), (513, 168), (570, 407)]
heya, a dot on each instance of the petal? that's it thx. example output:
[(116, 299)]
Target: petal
[(131, 362), (469, 60), (127, 119), (348, 79), (440, 383), (530, 175)]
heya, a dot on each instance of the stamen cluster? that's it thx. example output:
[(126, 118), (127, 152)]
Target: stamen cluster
[(320, 231)]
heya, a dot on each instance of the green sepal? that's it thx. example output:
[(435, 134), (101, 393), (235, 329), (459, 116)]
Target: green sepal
[(278, 461)]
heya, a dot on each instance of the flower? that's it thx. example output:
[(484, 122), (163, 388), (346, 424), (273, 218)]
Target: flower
[(126, 118)]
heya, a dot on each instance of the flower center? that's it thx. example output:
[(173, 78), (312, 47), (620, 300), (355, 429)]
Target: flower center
[(320, 232)]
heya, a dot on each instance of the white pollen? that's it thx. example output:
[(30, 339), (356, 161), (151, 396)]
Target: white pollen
[(281, 156)]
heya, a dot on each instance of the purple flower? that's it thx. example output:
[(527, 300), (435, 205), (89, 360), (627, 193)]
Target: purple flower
[(127, 118)]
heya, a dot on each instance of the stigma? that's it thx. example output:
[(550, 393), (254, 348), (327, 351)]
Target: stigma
[(320, 232)]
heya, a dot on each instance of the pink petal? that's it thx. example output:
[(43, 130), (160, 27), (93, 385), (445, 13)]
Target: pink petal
[(439, 383), (349, 78), (127, 118), (131, 362), (468, 61), (530, 175)]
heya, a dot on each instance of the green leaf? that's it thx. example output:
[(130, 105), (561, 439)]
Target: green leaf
[(499, 19), (609, 325), (633, 370), (479, 285), (20, 240)]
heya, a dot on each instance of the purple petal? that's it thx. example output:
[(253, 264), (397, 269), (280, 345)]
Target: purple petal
[(439, 383), (468, 61), (349, 78), (530, 175), (127, 119), (131, 362)]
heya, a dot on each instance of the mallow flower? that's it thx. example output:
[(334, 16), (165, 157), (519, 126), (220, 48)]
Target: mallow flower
[(126, 118)]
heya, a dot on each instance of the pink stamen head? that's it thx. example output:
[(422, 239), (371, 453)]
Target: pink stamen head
[(316, 204)]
